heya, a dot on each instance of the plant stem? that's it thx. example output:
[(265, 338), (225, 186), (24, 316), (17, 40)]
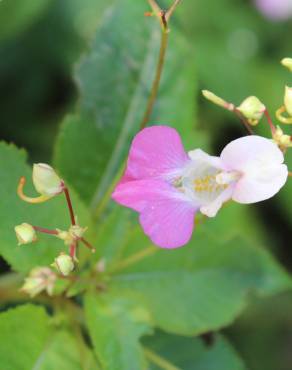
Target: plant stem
[(135, 258), (156, 82), (70, 207), (243, 120), (45, 230), (270, 122), (168, 14), (158, 360), (102, 205)]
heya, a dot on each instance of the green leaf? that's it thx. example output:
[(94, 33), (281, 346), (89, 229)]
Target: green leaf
[(65, 353), (24, 332), (193, 354), (115, 325), (114, 81), (13, 211), (17, 15), (200, 287)]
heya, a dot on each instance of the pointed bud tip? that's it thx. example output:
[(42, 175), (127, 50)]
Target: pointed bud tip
[(217, 100)]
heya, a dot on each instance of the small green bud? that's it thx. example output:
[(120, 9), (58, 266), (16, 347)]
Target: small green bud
[(252, 109), (217, 100), (74, 234), (287, 62), (39, 279), (46, 181), (25, 233), (64, 264), (288, 100), (281, 139)]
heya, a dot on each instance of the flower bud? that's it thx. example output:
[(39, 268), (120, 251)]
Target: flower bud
[(281, 139), (287, 62), (288, 100), (25, 234), (252, 109), (64, 264), (39, 279), (74, 233), (217, 100), (46, 181)]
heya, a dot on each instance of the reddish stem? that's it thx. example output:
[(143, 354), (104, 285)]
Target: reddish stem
[(270, 122), (73, 251), (242, 119), (88, 245), (69, 203), (45, 231)]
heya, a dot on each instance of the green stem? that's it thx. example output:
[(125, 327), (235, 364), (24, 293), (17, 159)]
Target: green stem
[(135, 258), (156, 82), (102, 205), (158, 360)]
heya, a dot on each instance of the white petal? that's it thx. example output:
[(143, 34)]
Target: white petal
[(211, 209), (259, 160), (261, 186), (251, 151)]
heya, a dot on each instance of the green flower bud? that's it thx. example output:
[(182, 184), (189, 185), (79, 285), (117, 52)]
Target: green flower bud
[(46, 181), (217, 100), (40, 279), (74, 233), (64, 264), (281, 139), (25, 234), (287, 62), (288, 100), (252, 109)]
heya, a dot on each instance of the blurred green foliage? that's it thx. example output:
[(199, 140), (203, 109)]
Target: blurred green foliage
[(225, 46)]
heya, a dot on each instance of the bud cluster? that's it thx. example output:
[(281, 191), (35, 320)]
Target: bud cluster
[(252, 110), (48, 184)]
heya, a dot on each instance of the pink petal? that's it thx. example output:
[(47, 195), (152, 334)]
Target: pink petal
[(156, 151), (166, 215), (275, 9)]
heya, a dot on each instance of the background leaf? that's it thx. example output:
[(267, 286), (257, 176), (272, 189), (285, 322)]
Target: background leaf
[(115, 325), (193, 353), (201, 287), (114, 80), (24, 332), (16, 15)]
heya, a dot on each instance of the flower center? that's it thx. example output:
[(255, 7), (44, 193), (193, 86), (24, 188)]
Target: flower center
[(209, 184), (226, 178)]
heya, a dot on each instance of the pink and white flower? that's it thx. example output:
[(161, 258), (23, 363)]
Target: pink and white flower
[(275, 9), (168, 187)]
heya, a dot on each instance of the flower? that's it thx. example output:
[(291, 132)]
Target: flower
[(167, 186), (275, 9), (39, 279), (25, 233)]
